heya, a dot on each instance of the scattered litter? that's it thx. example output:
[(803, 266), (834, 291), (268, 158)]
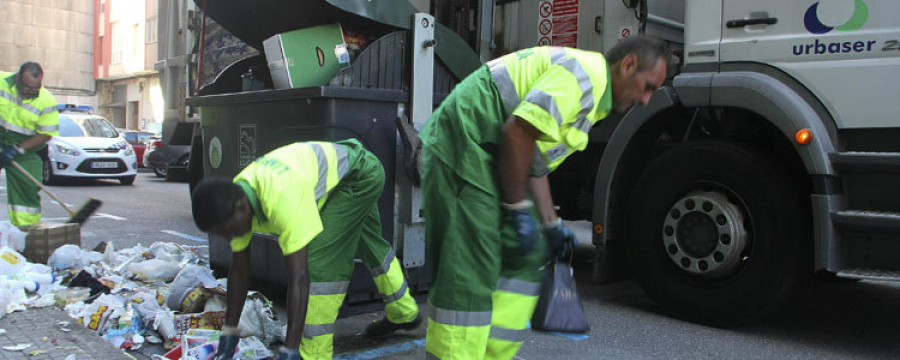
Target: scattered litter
[(165, 294), (17, 347), (36, 352)]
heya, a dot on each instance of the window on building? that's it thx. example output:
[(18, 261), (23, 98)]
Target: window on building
[(150, 30)]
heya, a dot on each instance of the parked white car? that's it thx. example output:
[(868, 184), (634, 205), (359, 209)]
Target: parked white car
[(88, 146)]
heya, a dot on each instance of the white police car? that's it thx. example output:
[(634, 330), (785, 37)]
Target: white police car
[(88, 146)]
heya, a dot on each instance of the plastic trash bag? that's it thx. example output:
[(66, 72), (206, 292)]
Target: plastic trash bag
[(11, 262), (257, 320), (154, 270), (65, 257), (12, 237), (187, 291), (559, 307), (165, 251)]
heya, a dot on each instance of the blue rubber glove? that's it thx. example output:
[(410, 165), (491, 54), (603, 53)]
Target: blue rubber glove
[(9, 153), (519, 215), (288, 354), (560, 238), (227, 346)]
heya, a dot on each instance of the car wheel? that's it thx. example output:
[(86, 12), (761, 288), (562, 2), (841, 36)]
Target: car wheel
[(127, 180), (160, 171), (47, 176), (717, 233)]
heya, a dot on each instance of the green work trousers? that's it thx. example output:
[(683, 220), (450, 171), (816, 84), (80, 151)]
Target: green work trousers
[(351, 227), (483, 290), (21, 193)]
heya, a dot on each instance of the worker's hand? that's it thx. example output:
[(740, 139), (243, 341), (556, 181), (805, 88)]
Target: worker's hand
[(561, 239), (519, 214), (227, 343), (288, 354), (9, 153)]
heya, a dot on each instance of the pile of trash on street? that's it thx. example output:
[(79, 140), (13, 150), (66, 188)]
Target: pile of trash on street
[(165, 294)]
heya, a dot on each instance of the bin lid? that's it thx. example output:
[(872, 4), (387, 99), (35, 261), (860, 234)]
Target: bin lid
[(256, 20)]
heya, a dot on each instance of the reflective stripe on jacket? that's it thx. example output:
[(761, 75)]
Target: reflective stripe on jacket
[(287, 187), (562, 92), (27, 116)]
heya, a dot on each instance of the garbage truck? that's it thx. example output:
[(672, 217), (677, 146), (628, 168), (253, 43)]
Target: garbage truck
[(769, 158)]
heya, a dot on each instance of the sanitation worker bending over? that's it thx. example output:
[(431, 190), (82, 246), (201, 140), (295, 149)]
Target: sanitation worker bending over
[(320, 199), (488, 146)]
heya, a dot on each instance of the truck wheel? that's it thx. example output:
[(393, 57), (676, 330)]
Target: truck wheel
[(717, 233)]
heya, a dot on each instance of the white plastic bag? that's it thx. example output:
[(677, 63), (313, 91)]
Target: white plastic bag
[(188, 279), (12, 237), (215, 303), (154, 270), (11, 262), (65, 257), (165, 251), (257, 320)]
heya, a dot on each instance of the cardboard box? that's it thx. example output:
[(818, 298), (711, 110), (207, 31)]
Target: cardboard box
[(43, 238)]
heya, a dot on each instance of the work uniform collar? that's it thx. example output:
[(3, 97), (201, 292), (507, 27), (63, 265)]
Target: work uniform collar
[(254, 200)]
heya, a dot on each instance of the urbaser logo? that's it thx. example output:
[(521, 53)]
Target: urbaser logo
[(841, 15), (814, 24)]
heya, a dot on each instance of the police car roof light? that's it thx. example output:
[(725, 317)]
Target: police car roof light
[(73, 107)]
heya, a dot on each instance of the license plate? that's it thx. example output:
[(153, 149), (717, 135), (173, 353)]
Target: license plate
[(104, 165)]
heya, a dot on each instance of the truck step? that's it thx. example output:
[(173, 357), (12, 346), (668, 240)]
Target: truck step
[(869, 274), (859, 161), (867, 220)]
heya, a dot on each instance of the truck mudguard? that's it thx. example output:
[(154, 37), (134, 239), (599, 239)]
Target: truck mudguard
[(763, 94)]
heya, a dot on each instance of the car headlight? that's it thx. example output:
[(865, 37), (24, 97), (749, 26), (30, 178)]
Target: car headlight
[(64, 149), (129, 150)]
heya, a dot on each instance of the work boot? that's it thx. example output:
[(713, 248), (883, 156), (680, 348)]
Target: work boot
[(383, 327)]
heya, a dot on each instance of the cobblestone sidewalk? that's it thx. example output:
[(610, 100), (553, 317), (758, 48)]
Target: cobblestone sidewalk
[(40, 327)]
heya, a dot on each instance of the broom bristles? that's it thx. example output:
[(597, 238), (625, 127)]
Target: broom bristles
[(85, 212)]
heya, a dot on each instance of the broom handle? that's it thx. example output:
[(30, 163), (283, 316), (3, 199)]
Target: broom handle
[(38, 183)]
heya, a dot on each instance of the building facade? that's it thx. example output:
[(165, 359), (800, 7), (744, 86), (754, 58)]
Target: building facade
[(57, 35), (128, 91)]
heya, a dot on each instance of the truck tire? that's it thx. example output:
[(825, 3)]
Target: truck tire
[(718, 233)]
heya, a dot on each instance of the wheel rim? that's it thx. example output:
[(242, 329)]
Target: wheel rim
[(704, 234)]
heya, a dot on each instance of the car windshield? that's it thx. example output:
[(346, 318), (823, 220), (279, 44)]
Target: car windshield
[(138, 137), (90, 127)]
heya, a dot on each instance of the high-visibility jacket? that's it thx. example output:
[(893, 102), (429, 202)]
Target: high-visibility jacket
[(288, 186), (23, 118), (562, 92)]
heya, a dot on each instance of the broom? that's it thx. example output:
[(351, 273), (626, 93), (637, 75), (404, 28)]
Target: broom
[(78, 217)]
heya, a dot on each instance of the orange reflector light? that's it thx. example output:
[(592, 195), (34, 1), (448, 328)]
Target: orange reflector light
[(598, 229), (803, 136)]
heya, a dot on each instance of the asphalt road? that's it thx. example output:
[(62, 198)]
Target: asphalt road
[(827, 320)]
